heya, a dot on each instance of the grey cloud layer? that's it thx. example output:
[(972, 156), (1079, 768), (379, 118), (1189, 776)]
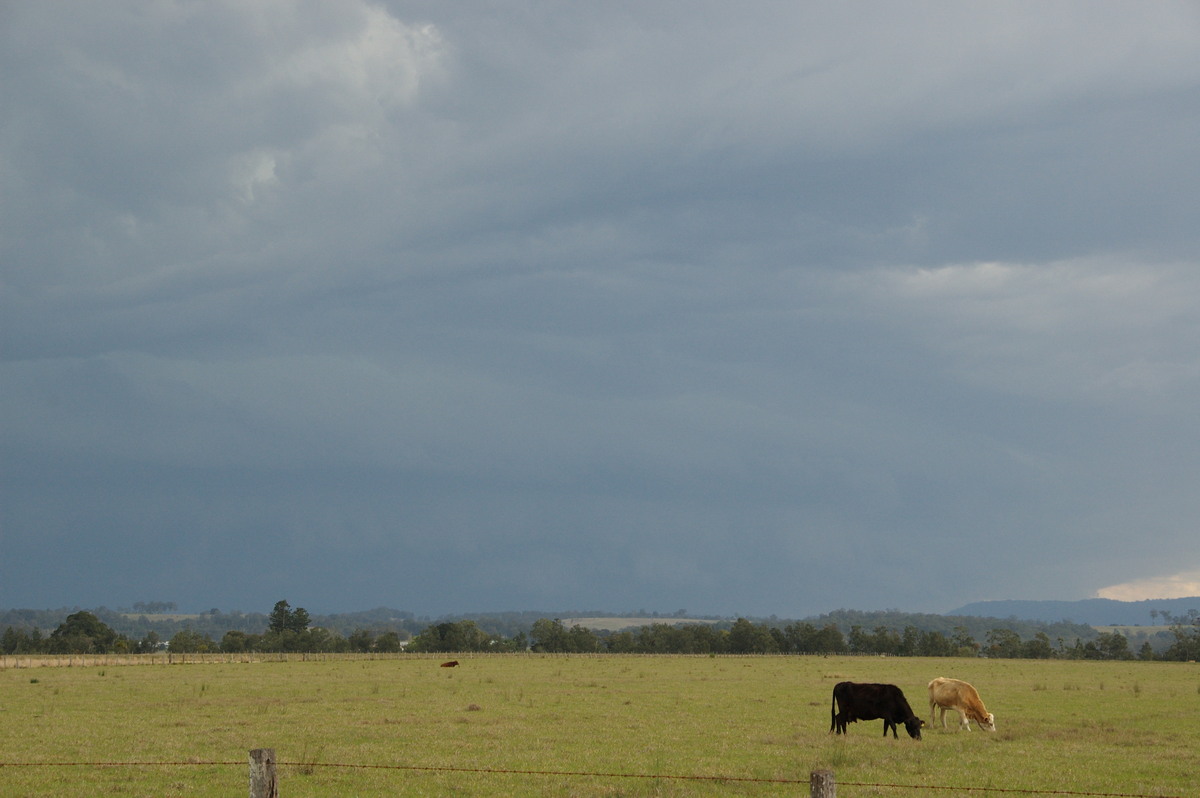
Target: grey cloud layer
[(597, 306)]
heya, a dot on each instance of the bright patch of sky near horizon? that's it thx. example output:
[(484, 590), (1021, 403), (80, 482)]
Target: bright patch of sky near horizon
[(450, 307), (1184, 585)]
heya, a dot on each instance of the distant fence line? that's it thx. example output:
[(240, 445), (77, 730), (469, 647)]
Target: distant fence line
[(167, 658), (216, 657)]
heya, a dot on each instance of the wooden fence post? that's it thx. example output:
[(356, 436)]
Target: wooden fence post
[(821, 784), (262, 774)]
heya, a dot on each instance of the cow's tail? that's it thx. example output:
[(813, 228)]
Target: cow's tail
[(833, 711)]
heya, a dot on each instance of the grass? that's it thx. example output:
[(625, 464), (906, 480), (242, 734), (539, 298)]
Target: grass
[(1070, 726)]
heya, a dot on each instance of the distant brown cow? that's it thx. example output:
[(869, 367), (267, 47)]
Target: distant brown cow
[(962, 698), (451, 664)]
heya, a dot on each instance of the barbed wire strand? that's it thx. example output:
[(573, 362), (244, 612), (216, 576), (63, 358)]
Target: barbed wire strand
[(588, 774)]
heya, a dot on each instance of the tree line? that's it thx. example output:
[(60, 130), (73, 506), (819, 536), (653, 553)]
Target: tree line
[(214, 623), (746, 637), (290, 630)]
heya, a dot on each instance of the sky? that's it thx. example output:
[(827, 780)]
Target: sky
[(737, 308)]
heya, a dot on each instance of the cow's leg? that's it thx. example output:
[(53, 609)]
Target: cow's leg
[(963, 722)]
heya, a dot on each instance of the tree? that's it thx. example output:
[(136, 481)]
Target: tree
[(581, 640), (964, 644), (235, 642), (748, 638), (936, 644), (388, 643), (549, 636), (318, 639), (703, 639), (622, 642), (300, 620), (828, 640), (798, 637), (887, 641), (1113, 645), (444, 637), (1186, 630), (859, 640), (148, 644), (82, 633), (655, 638), (284, 619), (187, 641), (361, 640), (1003, 643), (910, 643), (287, 630), (1037, 648), (21, 641)]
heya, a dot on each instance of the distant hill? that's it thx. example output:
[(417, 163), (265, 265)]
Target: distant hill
[(1094, 612), (620, 623), (977, 626)]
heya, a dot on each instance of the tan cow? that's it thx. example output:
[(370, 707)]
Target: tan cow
[(962, 698)]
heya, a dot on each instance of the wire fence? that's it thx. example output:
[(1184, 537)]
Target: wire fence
[(310, 766), (168, 658)]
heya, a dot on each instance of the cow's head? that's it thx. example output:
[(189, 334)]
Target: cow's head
[(988, 723), (913, 725)]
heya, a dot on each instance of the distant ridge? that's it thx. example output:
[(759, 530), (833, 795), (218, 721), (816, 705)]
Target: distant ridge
[(1094, 612)]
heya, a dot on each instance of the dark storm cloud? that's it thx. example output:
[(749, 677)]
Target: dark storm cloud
[(457, 308)]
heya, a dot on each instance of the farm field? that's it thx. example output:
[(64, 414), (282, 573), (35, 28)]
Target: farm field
[(523, 724)]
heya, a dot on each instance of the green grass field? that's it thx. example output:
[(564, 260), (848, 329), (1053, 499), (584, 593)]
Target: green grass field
[(1127, 728)]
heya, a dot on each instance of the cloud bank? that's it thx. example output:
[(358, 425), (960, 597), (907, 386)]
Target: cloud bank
[(755, 310)]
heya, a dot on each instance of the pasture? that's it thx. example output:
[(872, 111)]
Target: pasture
[(515, 724)]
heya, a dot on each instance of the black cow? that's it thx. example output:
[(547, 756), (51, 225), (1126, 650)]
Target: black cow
[(854, 702)]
